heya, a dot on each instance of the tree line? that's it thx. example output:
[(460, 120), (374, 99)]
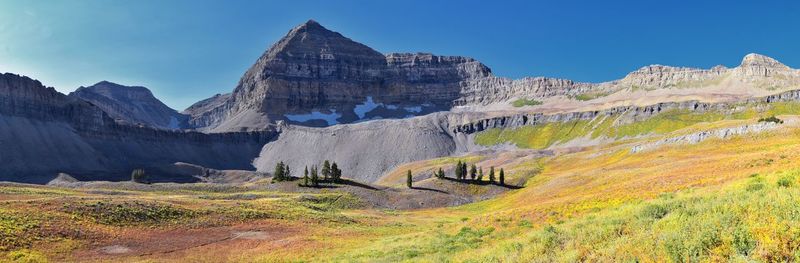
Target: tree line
[(464, 174), (330, 173)]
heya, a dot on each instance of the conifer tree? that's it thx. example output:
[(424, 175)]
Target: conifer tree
[(458, 170), (314, 176), (326, 170), (473, 171), (464, 171), (408, 179), (491, 174), (287, 173), (335, 172), (502, 177), (480, 174), (139, 176), (441, 173), (305, 177), (279, 172)]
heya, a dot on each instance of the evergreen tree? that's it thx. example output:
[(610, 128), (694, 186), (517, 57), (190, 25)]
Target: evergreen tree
[(279, 173), (314, 176), (491, 174), (464, 171), (305, 177), (139, 176), (458, 170), (326, 170), (473, 172), (287, 173), (480, 174), (408, 179), (441, 173), (336, 173), (502, 177)]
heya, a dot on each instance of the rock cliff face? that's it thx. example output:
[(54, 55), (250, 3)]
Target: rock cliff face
[(43, 132), (317, 77), (131, 105)]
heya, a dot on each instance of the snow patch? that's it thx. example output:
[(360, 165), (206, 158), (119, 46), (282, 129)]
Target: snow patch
[(369, 105), (330, 118), (414, 109)]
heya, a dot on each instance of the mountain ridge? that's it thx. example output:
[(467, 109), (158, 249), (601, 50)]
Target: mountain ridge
[(131, 104), (317, 77)]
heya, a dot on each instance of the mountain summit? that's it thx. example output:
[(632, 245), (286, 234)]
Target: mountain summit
[(317, 77), (130, 104)]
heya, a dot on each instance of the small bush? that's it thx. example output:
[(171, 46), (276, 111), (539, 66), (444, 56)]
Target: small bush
[(785, 181), (743, 241), (654, 211), (771, 119)]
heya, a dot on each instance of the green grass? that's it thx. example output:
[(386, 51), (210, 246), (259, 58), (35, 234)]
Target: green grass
[(739, 223), (15, 229), (129, 212), (589, 96), (525, 102)]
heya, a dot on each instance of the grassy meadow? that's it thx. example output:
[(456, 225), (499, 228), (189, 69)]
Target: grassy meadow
[(736, 200)]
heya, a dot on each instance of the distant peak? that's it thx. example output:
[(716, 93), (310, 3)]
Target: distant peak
[(106, 82), (758, 60), (311, 22), (310, 26)]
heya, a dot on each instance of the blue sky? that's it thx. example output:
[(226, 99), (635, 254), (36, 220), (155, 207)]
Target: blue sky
[(189, 50)]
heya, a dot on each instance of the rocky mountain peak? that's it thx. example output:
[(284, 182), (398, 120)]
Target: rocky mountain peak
[(312, 40), (758, 60), (130, 104), (111, 90), (756, 65)]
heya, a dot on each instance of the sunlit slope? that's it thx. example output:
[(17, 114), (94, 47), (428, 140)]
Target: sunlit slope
[(612, 128), (716, 200)]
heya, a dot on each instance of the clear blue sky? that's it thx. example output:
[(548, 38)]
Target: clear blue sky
[(189, 50)]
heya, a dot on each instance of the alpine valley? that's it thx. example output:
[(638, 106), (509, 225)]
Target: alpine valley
[(328, 150)]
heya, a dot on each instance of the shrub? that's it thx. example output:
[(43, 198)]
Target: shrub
[(785, 181), (654, 211), (771, 119), (743, 241)]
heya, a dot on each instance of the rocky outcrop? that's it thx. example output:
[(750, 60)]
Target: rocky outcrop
[(43, 133), (315, 71), (630, 114), (132, 105), (697, 137)]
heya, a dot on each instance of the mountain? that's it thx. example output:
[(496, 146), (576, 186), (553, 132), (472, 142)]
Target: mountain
[(44, 133), (316, 77), (131, 104)]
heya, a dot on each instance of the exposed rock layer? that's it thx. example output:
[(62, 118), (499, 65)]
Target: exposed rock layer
[(43, 132)]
